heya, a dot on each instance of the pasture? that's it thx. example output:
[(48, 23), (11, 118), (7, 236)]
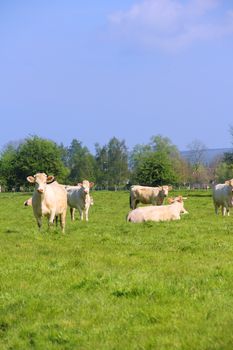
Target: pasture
[(108, 284)]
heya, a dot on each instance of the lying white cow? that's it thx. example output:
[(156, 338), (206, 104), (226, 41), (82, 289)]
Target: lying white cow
[(158, 213), (148, 195), (222, 197), (49, 199), (78, 197)]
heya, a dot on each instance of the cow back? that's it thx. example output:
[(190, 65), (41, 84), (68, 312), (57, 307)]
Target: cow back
[(76, 197)]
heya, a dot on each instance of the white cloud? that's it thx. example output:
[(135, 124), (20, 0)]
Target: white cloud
[(173, 24)]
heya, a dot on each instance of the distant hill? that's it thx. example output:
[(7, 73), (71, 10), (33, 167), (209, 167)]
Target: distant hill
[(209, 155)]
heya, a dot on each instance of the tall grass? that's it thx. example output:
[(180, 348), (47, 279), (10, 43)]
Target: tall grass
[(109, 284)]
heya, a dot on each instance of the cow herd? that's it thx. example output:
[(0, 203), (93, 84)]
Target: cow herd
[(51, 199)]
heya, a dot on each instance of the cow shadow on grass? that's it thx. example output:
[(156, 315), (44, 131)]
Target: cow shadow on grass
[(9, 230), (196, 194), (200, 195)]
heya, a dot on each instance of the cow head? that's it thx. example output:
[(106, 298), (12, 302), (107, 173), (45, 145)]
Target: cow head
[(165, 189), (86, 185), (229, 182), (40, 180), (179, 200)]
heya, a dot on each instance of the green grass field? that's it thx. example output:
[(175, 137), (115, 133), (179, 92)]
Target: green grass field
[(108, 284)]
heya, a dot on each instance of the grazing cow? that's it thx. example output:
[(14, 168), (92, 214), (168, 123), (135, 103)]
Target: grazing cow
[(158, 213), (49, 199), (28, 202), (78, 197), (147, 195), (222, 196)]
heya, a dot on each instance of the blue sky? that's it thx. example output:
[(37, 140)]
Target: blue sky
[(130, 69)]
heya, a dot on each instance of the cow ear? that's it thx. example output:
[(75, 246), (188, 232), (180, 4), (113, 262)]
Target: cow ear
[(169, 188), (31, 179), (170, 200), (91, 184), (230, 182), (50, 179)]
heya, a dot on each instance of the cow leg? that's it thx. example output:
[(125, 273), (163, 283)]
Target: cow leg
[(227, 210), (80, 213), (86, 213), (223, 208), (52, 217), (39, 222), (63, 221), (72, 210)]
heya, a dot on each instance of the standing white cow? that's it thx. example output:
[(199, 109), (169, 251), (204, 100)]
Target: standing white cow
[(78, 197), (148, 195), (158, 213), (222, 197), (49, 199)]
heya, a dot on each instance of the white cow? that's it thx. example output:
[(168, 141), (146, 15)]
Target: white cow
[(158, 213), (78, 197), (49, 199), (222, 196), (148, 195), (28, 203)]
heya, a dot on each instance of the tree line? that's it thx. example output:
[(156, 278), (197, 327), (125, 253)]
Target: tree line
[(112, 166)]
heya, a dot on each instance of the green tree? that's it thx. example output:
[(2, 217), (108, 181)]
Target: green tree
[(223, 167), (80, 162), (32, 156), (163, 144), (158, 148), (117, 162), (180, 166), (101, 157), (135, 156), (64, 154), (155, 169), (228, 158), (7, 163), (112, 163), (223, 172)]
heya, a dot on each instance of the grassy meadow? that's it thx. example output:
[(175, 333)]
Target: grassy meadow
[(109, 284)]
